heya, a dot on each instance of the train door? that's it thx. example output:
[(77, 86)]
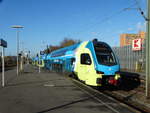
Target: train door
[(85, 65)]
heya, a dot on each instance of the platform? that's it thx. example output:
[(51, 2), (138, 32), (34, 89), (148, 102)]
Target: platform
[(45, 92)]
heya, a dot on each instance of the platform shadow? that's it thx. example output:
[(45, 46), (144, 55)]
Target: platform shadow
[(7, 68), (27, 72), (65, 105), (29, 82)]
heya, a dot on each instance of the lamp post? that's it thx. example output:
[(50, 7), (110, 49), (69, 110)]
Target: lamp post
[(17, 27), (148, 52)]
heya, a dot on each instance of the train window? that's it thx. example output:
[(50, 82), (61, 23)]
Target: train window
[(106, 58), (105, 55), (85, 59)]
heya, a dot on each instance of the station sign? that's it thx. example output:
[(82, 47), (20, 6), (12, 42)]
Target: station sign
[(41, 52), (3, 43), (137, 44)]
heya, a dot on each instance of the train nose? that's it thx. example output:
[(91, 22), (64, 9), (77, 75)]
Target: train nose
[(108, 70)]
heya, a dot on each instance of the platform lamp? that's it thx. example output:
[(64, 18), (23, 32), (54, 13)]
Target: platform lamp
[(17, 27)]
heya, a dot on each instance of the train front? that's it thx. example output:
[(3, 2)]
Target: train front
[(107, 64)]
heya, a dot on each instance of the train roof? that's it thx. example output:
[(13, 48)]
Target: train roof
[(101, 44), (35, 58), (69, 51), (43, 56), (65, 51)]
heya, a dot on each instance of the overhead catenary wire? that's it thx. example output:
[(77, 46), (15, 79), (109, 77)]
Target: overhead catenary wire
[(141, 11), (105, 19)]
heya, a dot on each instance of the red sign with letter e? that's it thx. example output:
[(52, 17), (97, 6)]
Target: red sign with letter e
[(136, 44)]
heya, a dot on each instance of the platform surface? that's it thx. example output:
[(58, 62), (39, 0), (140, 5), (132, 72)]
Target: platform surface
[(45, 92)]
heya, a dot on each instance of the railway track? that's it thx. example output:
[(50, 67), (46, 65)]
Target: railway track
[(117, 95)]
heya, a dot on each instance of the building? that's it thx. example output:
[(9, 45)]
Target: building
[(126, 39)]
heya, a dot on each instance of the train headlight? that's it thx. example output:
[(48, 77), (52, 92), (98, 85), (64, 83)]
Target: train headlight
[(117, 75)]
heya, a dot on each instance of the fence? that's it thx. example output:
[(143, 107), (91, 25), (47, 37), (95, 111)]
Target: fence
[(131, 60)]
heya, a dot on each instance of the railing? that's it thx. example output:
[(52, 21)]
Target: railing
[(130, 60)]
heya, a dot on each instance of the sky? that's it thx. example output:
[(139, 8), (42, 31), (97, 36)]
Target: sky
[(48, 22)]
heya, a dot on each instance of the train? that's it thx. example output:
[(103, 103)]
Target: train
[(92, 62), (39, 60)]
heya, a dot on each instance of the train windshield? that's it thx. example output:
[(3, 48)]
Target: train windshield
[(105, 55)]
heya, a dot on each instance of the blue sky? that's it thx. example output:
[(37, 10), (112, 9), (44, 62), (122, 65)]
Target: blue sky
[(47, 22)]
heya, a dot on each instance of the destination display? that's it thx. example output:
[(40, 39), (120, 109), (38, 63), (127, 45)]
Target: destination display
[(3, 43)]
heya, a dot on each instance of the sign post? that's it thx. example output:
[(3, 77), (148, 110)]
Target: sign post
[(3, 43), (39, 63), (148, 52)]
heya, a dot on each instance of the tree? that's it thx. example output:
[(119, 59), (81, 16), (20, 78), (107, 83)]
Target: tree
[(67, 42), (64, 43)]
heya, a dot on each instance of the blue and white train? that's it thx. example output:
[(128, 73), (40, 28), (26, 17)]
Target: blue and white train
[(92, 62)]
